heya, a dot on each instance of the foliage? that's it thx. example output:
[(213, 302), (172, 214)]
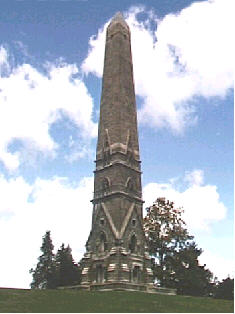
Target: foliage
[(186, 275), (68, 272), (166, 233), (44, 275), (225, 289), (74, 301), (175, 254), (54, 271)]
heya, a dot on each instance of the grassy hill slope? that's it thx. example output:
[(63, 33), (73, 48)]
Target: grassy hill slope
[(72, 301)]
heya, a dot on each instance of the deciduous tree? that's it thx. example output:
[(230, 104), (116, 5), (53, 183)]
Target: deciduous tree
[(166, 233), (175, 254)]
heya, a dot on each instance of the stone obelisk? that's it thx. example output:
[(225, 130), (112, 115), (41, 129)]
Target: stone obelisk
[(117, 255)]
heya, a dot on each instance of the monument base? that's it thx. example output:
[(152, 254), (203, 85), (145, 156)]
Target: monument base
[(123, 286)]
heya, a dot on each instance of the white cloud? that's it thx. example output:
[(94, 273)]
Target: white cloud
[(193, 56), (201, 203), (4, 66), (220, 266), (32, 101), (54, 205), (95, 60), (202, 208), (195, 177), (202, 39), (13, 198)]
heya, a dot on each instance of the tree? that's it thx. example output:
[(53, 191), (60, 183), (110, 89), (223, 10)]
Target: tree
[(166, 233), (225, 289), (186, 275), (44, 275), (175, 254), (68, 272)]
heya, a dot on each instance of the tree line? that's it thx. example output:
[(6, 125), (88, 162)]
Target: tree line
[(174, 258), (55, 270)]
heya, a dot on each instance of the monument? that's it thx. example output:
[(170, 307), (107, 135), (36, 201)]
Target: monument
[(116, 255)]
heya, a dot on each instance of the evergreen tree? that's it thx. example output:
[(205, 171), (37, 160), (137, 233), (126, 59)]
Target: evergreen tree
[(44, 275), (175, 254), (68, 272), (185, 273)]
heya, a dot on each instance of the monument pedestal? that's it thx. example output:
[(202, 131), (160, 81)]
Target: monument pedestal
[(123, 286)]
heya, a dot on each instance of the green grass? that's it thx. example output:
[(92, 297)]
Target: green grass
[(73, 301)]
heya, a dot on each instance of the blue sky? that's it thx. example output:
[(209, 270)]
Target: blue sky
[(51, 59)]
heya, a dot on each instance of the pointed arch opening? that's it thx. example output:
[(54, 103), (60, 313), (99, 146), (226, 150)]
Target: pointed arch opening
[(105, 183), (133, 244), (103, 242), (100, 273), (130, 184), (136, 273), (106, 148)]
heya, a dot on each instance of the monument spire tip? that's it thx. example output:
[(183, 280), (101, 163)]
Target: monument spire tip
[(118, 18), (118, 15)]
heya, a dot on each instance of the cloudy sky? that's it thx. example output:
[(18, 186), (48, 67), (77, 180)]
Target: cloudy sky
[(51, 60)]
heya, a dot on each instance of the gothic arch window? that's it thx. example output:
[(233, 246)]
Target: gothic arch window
[(103, 242), (105, 183), (106, 148), (133, 244), (136, 273), (106, 139), (102, 222), (133, 222), (106, 142), (106, 157), (100, 273), (130, 184), (128, 141), (130, 157)]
